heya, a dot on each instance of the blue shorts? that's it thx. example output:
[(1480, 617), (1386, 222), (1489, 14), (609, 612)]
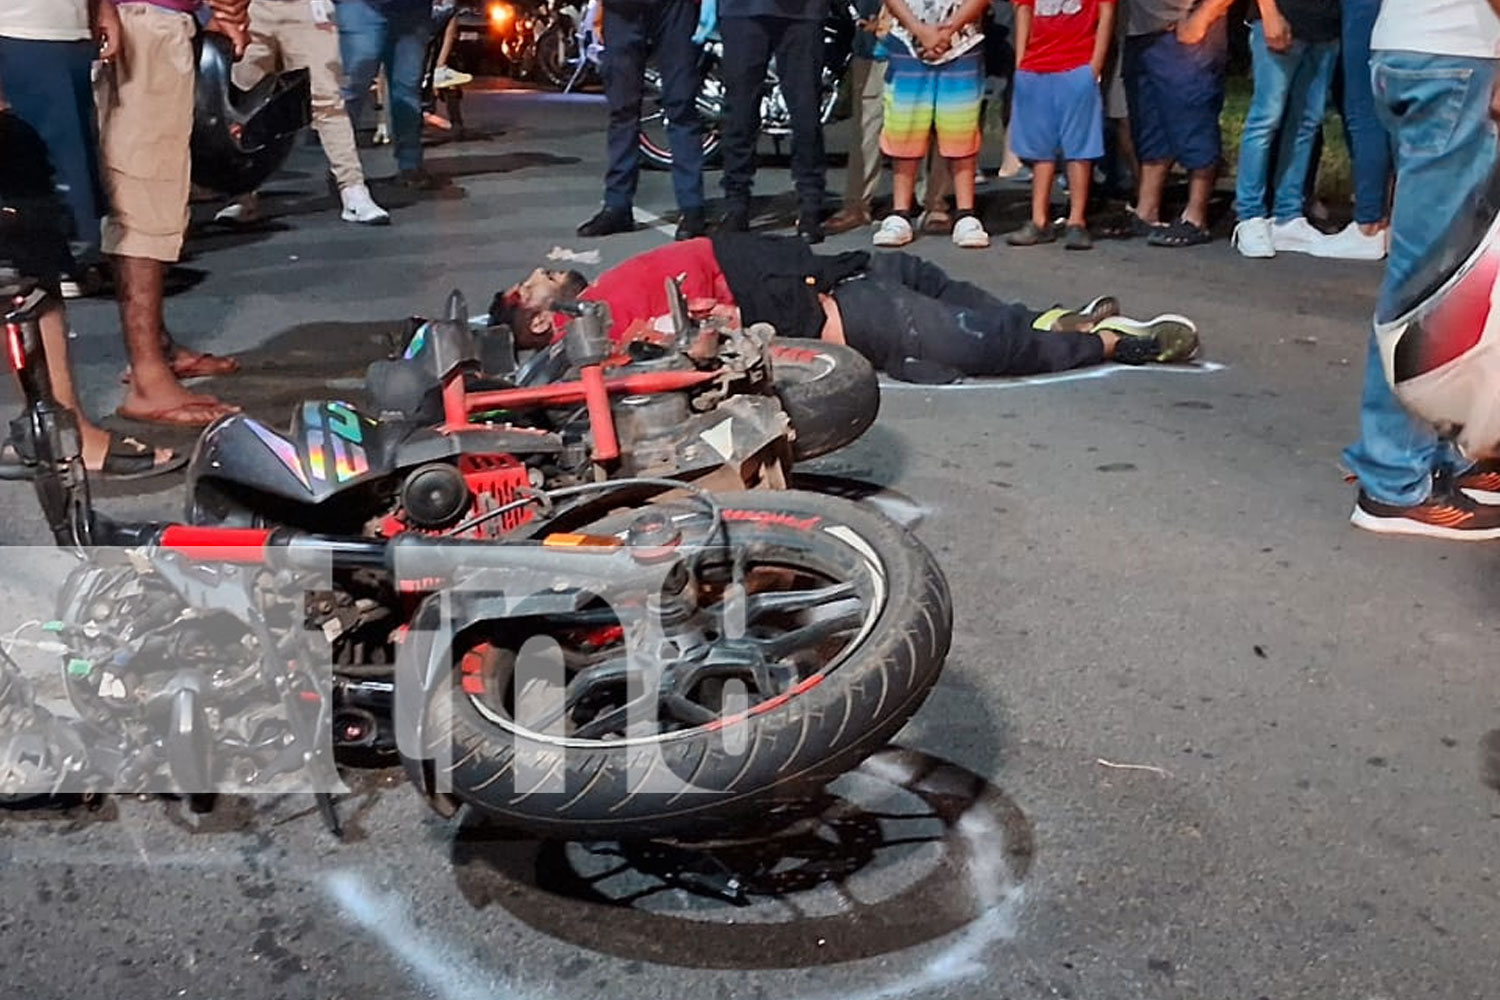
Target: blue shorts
[(1057, 114), (1175, 93)]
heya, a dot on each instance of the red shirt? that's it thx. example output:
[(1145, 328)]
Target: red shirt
[(636, 289), (1062, 34)]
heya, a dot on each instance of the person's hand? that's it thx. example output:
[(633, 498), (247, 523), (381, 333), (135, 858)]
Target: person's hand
[(1097, 66), (1495, 101), (930, 40), (238, 33), (708, 20), (1192, 30), (1278, 31), (107, 29)]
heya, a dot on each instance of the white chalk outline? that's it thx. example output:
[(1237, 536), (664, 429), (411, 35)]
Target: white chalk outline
[(1079, 375)]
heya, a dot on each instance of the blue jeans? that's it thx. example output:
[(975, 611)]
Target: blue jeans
[(1369, 142), (1436, 109), (394, 35), (1290, 87)]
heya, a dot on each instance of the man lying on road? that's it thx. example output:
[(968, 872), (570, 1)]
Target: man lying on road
[(906, 315)]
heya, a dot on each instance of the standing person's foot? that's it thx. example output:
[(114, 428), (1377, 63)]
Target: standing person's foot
[(1080, 320), (1296, 236), (736, 219), (894, 231), (173, 406), (608, 221), (243, 211), (444, 78), (1031, 235), (1447, 513), (810, 228), (691, 224), (360, 207), (1481, 481), (1163, 339), (937, 222), (1182, 233), (85, 281), (969, 233), (1353, 243), (848, 218), (1077, 238), (1252, 238), (421, 180)]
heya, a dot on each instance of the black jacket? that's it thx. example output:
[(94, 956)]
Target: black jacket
[(777, 279)]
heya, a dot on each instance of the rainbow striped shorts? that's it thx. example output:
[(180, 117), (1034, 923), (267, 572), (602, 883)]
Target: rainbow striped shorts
[(920, 98)]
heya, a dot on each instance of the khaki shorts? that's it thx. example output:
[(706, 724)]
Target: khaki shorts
[(145, 102)]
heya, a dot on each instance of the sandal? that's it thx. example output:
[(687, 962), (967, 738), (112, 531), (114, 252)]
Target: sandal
[(127, 459), (1181, 233), (1130, 226), (181, 415), (1030, 235)]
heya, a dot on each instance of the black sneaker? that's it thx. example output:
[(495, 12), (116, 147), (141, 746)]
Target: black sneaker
[(421, 180), (1481, 481), (736, 219), (1447, 513), (1080, 320), (1163, 339), (608, 222), (691, 225)]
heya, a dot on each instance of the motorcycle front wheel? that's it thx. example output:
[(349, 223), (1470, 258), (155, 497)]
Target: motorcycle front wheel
[(830, 393), (654, 142), (816, 630)]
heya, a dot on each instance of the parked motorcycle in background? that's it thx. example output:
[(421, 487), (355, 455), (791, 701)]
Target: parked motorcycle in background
[(775, 116)]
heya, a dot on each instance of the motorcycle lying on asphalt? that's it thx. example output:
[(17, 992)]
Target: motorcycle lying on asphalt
[(711, 656), (775, 116), (457, 429)]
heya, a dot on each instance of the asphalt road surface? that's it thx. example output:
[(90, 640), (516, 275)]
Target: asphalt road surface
[(1197, 737)]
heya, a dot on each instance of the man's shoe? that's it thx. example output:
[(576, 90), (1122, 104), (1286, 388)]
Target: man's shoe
[(1080, 320), (1297, 235), (1447, 513), (691, 225), (810, 229), (1164, 339), (1352, 243), (1252, 238), (361, 208), (894, 231), (420, 180), (847, 219), (1481, 481), (736, 219), (443, 78), (608, 222), (243, 211)]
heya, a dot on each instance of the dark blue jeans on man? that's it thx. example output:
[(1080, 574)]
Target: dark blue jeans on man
[(1369, 142), (634, 31), (48, 87), (393, 34), (1436, 108)]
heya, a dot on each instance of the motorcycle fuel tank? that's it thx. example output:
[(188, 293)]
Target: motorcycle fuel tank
[(329, 447)]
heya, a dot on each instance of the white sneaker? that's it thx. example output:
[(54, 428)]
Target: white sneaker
[(1351, 243), (969, 233), (1252, 238), (894, 231), (360, 207), (443, 78), (243, 211), (1297, 235)]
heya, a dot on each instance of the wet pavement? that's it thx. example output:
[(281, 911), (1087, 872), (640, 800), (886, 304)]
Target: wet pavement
[(1196, 738)]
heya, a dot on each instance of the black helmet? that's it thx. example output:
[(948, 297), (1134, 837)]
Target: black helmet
[(241, 137)]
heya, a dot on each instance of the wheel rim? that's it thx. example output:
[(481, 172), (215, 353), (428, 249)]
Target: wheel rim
[(804, 614), (799, 366)]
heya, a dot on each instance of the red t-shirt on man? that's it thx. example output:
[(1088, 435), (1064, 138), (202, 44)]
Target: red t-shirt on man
[(1062, 34), (636, 289)]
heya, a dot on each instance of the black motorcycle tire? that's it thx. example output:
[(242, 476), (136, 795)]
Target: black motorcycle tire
[(551, 55), (830, 393), (791, 749), (656, 152)]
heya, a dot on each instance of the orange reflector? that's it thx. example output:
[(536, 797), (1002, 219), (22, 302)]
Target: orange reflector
[(571, 540)]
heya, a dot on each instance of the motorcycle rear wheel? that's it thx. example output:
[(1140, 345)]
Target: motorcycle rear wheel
[(846, 697)]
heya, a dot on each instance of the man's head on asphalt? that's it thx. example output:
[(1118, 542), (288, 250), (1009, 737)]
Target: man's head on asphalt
[(526, 306)]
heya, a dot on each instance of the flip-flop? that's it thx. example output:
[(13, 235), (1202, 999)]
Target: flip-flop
[(182, 415), (1130, 226), (127, 459)]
